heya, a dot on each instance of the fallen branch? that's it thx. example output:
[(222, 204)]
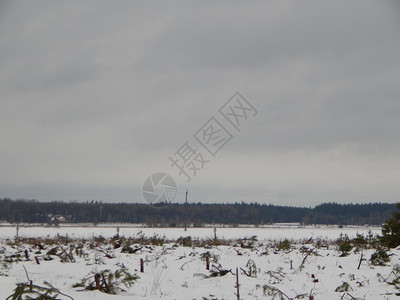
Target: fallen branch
[(361, 259), (183, 266), (238, 252), (275, 276), (246, 273), (305, 258), (70, 257)]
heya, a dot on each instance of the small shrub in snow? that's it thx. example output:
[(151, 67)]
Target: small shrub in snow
[(129, 250), (360, 242), (392, 279), (79, 250), (379, 258), (274, 292), (213, 257), (29, 291), (284, 245), (219, 273), (320, 243), (5, 267), (344, 287), (214, 273), (391, 230), (185, 241), (344, 245), (107, 281), (251, 269), (157, 240), (52, 251)]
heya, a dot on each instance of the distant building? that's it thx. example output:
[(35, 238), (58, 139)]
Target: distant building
[(55, 220)]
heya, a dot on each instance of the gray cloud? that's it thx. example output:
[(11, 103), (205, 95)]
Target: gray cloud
[(94, 98)]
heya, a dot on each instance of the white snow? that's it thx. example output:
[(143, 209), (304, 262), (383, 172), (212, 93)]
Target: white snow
[(177, 272), (271, 232)]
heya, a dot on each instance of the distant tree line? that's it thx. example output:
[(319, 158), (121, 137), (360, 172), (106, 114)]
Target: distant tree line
[(197, 214)]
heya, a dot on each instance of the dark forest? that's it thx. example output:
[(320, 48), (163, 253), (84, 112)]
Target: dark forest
[(197, 214)]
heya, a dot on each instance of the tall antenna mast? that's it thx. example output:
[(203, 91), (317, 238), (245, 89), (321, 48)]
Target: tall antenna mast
[(185, 208)]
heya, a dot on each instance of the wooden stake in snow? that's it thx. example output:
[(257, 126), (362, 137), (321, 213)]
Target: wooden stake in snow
[(141, 265), (237, 284), (16, 237), (97, 281), (207, 262), (26, 254)]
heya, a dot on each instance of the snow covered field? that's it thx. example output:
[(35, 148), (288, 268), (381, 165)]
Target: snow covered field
[(173, 271), (271, 232)]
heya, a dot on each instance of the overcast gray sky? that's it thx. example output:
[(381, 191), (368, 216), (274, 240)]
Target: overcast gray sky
[(97, 95)]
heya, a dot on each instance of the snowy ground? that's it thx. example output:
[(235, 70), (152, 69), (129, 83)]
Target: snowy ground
[(271, 232), (174, 271)]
